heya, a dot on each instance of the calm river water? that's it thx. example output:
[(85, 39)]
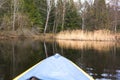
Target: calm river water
[(99, 59)]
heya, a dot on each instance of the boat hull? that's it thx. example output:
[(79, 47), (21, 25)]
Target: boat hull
[(55, 67)]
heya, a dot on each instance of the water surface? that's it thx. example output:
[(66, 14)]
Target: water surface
[(99, 59)]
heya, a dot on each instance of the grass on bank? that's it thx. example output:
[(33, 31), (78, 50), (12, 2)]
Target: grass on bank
[(25, 34), (98, 35)]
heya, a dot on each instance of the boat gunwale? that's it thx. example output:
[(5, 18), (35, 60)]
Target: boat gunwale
[(20, 75)]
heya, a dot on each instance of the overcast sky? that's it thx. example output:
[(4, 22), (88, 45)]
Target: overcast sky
[(85, 0), (91, 1)]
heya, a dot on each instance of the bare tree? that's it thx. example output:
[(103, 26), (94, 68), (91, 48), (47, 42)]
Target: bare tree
[(55, 13), (49, 5), (116, 11), (58, 15), (63, 15), (83, 13), (14, 14), (114, 4), (2, 2)]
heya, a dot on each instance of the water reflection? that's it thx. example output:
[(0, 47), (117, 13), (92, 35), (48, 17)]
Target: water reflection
[(97, 45), (17, 56), (99, 59)]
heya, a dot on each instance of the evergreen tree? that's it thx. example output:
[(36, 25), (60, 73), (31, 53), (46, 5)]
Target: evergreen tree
[(31, 9), (100, 14), (97, 16), (72, 16)]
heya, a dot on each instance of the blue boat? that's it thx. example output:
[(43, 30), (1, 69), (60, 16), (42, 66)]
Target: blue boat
[(55, 67)]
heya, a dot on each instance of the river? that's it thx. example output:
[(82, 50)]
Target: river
[(101, 60)]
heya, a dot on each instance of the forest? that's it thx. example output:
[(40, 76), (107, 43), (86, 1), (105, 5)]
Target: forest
[(53, 16)]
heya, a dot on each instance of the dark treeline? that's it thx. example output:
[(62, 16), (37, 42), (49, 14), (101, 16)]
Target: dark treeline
[(57, 15)]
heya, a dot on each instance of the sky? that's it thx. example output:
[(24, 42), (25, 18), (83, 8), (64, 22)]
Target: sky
[(89, 1), (84, 0), (107, 1)]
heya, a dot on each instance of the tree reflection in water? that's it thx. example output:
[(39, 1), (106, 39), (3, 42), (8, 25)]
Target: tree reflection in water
[(99, 59)]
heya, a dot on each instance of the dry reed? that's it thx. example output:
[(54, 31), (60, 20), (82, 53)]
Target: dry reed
[(98, 35)]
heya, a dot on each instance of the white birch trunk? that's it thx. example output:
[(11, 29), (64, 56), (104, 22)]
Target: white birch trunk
[(49, 5), (115, 7), (14, 14), (83, 23), (63, 15)]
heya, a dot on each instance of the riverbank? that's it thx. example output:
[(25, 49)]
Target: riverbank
[(79, 35), (6, 35)]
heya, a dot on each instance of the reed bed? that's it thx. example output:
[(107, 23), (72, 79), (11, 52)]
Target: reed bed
[(98, 35)]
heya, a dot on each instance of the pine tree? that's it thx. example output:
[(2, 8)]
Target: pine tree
[(100, 14), (72, 16), (97, 16)]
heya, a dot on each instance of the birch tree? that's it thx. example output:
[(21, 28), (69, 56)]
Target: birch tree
[(63, 14), (116, 14), (15, 9), (55, 14), (49, 5), (114, 8), (58, 15), (83, 13)]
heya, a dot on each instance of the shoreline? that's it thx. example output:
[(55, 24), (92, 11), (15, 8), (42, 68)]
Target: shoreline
[(66, 35)]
